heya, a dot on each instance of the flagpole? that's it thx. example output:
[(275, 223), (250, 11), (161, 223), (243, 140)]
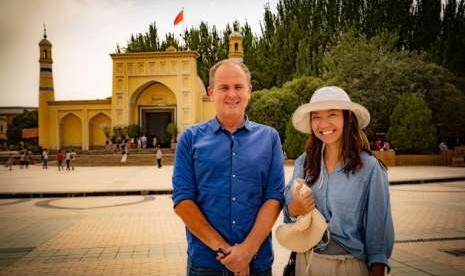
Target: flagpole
[(183, 26)]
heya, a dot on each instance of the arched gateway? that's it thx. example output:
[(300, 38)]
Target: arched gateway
[(153, 107)]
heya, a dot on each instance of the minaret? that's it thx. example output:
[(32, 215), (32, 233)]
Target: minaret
[(236, 50), (46, 93)]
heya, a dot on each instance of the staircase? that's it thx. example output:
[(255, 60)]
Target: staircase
[(136, 157), (103, 157)]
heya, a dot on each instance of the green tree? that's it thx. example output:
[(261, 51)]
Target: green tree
[(119, 132), (295, 141), (172, 132), (376, 75), (27, 119), (134, 131), (275, 106), (427, 24), (451, 123), (449, 50), (411, 128), (294, 40)]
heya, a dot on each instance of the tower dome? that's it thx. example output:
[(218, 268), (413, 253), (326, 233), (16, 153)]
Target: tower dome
[(44, 41), (236, 50)]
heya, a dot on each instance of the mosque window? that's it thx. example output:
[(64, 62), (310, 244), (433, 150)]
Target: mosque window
[(236, 47), (44, 54), (1, 128)]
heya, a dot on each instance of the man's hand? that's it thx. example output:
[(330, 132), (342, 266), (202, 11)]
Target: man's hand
[(302, 202), (237, 259), (195, 220)]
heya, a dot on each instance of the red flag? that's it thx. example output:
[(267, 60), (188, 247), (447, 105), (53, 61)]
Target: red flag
[(179, 18)]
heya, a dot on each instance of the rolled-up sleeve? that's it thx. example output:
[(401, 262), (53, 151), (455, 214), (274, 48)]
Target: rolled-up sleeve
[(275, 181), (183, 174), (379, 237), (298, 173)]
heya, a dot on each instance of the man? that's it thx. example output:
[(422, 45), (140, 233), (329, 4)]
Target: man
[(73, 158), (228, 182), (68, 160), (45, 159), (158, 155), (144, 141)]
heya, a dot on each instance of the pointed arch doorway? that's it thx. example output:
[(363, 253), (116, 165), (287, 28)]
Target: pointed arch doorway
[(154, 107), (154, 122)]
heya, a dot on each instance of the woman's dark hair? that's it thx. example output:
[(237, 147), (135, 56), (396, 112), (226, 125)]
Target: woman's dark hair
[(354, 141)]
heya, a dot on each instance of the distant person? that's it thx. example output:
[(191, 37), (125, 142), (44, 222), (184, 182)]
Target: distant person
[(10, 162), (154, 140), (124, 157), (45, 159), (68, 160), (443, 146), (378, 144), (73, 158), (159, 155), (124, 145), (144, 141), (22, 159), (27, 158), (60, 159), (386, 146)]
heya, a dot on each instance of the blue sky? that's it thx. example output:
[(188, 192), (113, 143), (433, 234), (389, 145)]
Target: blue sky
[(85, 32)]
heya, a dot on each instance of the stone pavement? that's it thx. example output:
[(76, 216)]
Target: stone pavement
[(148, 178), (141, 235)]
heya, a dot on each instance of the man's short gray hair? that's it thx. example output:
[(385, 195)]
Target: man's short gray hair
[(232, 61)]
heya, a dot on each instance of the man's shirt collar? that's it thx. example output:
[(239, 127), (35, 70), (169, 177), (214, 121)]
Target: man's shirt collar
[(216, 125)]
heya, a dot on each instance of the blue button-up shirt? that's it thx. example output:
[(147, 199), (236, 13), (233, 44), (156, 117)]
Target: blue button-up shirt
[(356, 206), (229, 176)]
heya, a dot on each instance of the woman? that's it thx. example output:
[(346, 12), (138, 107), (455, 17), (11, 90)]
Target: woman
[(349, 187), (124, 157)]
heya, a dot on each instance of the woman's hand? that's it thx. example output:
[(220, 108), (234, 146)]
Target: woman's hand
[(302, 200)]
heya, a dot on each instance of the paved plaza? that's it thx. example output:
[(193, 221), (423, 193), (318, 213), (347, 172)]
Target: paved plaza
[(141, 235)]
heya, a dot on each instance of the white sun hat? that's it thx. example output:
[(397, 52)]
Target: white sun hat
[(306, 232), (324, 98)]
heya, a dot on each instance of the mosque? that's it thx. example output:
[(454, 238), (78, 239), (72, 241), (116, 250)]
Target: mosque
[(149, 89)]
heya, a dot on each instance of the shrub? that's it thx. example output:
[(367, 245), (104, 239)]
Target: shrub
[(134, 131), (295, 141), (411, 128)]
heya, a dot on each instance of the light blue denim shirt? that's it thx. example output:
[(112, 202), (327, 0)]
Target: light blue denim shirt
[(356, 207)]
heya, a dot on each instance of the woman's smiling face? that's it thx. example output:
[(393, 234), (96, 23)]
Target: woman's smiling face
[(328, 125)]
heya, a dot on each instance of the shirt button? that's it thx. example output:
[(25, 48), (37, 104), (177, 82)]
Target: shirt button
[(234, 176), (234, 154), (234, 199), (234, 222)]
